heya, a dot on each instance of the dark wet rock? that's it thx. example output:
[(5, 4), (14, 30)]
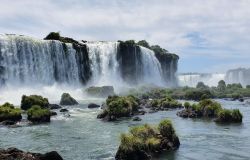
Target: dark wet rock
[(16, 154), (54, 106), (241, 99), (103, 91), (52, 113), (93, 105), (66, 99), (8, 123), (64, 110), (137, 119)]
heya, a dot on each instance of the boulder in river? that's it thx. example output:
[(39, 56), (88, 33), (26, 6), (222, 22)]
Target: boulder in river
[(64, 110), (54, 106), (66, 99), (93, 105), (16, 154)]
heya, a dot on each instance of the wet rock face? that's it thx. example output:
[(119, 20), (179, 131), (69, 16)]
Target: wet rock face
[(16, 154), (93, 105), (66, 99)]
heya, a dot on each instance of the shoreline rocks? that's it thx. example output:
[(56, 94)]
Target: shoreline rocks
[(16, 154)]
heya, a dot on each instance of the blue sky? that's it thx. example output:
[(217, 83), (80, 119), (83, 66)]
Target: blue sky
[(209, 36)]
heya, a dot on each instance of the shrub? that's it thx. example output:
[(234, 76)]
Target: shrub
[(187, 105), (28, 101), (166, 128), (53, 36), (226, 115), (38, 114), (9, 112), (143, 43)]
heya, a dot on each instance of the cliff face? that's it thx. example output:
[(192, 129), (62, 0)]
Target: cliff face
[(25, 60)]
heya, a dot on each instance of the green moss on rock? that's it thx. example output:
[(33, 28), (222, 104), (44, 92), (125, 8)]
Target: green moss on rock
[(143, 142), (119, 106), (38, 114), (66, 99), (28, 101), (9, 112)]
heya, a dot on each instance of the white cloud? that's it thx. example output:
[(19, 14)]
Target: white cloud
[(223, 25)]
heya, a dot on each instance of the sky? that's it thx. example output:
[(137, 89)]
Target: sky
[(208, 35)]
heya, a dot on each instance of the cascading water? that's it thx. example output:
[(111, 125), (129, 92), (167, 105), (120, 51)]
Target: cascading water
[(27, 61), (151, 67), (103, 62), (191, 80), (240, 75)]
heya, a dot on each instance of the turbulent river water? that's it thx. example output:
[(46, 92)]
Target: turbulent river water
[(84, 137)]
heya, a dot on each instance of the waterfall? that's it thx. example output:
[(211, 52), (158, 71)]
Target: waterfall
[(191, 80), (151, 68), (240, 75), (28, 61), (104, 64)]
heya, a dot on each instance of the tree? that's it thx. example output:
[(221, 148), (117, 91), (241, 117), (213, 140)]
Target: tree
[(221, 85)]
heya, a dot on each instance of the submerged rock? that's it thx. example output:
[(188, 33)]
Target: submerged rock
[(103, 91), (16, 154), (136, 119), (64, 110), (93, 105), (66, 99), (54, 106)]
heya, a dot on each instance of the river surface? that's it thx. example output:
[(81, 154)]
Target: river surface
[(84, 137)]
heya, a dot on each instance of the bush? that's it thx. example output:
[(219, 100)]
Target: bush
[(144, 43), (38, 114), (166, 128), (9, 112), (187, 105), (28, 101), (165, 103), (53, 36)]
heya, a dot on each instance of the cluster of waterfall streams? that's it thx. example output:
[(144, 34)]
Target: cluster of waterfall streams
[(33, 63), (191, 80)]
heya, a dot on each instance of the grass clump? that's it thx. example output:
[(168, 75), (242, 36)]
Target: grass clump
[(146, 139), (226, 115)]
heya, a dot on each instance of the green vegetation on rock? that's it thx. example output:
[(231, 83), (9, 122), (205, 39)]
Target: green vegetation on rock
[(9, 112), (165, 103), (38, 114), (211, 109), (28, 101), (119, 106), (145, 141)]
